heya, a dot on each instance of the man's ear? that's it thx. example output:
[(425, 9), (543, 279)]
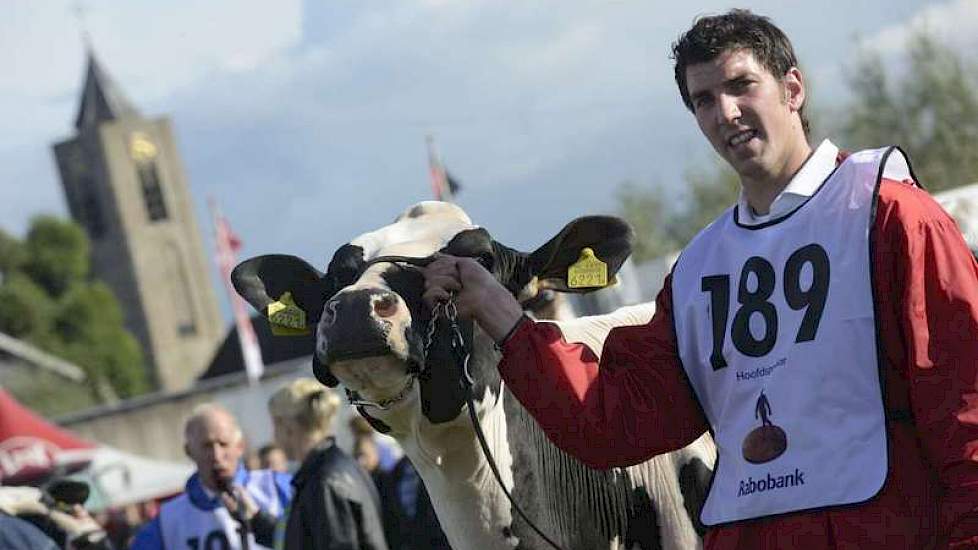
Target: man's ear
[(186, 451), (794, 86), (609, 237), (264, 279)]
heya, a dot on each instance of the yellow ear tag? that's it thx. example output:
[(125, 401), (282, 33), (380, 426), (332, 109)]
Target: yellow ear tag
[(286, 318), (587, 272)]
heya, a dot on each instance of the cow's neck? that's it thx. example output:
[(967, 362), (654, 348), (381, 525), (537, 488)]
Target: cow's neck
[(471, 507)]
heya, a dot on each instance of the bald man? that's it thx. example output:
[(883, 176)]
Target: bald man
[(207, 515)]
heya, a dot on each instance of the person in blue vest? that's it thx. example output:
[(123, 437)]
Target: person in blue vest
[(224, 505)]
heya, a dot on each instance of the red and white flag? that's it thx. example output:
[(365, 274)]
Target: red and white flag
[(442, 183), (228, 244)]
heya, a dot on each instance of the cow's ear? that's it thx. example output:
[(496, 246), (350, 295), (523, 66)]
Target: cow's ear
[(264, 279), (609, 237)]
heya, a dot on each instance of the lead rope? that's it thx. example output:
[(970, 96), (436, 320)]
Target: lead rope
[(449, 311)]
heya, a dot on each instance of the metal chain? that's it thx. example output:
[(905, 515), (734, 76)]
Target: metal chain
[(429, 338)]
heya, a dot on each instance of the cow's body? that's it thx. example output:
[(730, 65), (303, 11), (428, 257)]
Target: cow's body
[(371, 337)]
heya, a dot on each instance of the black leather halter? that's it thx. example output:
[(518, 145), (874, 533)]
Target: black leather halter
[(353, 397), (461, 356)]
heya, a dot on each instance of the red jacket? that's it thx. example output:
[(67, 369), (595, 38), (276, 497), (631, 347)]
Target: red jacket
[(636, 402)]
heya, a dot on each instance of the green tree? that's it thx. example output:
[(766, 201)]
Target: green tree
[(931, 111), (49, 301), (57, 254), (662, 225), (12, 254)]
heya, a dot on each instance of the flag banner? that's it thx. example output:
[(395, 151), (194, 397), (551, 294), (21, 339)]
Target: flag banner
[(443, 184), (227, 245)]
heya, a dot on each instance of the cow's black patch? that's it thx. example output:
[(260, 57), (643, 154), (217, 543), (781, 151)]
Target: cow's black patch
[(417, 211), (643, 523), (442, 395), (322, 373), (694, 483), (473, 243), (346, 265), (264, 279), (509, 266)]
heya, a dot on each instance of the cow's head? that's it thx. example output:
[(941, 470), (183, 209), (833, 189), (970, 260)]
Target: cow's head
[(369, 318)]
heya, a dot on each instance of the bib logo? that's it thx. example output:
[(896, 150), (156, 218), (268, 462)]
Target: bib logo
[(767, 442)]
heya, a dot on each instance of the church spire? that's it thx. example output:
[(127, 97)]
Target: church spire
[(101, 99)]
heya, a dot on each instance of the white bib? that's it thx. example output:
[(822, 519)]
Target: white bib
[(777, 332), (185, 526)]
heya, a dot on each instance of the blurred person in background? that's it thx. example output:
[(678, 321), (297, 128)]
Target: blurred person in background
[(335, 503), (387, 450), (224, 504), (35, 516), (272, 457), (409, 518), (18, 534)]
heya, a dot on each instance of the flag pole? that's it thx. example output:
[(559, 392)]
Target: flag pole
[(226, 245)]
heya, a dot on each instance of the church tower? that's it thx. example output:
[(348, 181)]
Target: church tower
[(125, 184)]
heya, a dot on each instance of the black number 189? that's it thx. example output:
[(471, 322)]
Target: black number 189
[(812, 300)]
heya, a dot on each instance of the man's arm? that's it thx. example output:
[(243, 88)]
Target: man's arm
[(937, 281), (634, 403)]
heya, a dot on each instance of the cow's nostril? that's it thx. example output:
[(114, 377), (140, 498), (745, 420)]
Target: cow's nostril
[(386, 306)]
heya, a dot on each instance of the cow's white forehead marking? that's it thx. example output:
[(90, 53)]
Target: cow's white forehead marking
[(420, 231)]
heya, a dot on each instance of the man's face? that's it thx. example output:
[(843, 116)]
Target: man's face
[(749, 115), (215, 444)]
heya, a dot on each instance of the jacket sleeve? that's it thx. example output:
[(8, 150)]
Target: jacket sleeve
[(634, 403), (938, 311)]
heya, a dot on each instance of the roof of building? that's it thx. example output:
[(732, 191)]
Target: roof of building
[(274, 349), (21, 350), (101, 98)]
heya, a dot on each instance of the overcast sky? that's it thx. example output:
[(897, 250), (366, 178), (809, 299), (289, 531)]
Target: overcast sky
[(306, 120)]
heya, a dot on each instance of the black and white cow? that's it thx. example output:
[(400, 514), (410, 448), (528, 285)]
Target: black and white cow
[(371, 325)]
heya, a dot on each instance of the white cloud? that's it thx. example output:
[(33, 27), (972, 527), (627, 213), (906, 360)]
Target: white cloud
[(953, 23), (309, 107)]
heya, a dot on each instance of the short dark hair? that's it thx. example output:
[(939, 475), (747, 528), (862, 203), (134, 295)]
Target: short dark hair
[(737, 29), (268, 449)]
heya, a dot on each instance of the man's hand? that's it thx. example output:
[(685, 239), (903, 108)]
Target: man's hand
[(81, 529), (478, 295), (21, 500), (239, 496)]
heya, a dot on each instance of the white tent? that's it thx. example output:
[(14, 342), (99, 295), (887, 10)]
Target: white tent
[(962, 204), (118, 478)]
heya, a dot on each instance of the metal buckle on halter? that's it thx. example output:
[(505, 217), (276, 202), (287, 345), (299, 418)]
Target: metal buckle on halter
[(383, 404)]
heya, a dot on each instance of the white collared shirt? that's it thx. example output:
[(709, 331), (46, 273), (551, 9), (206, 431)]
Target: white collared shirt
[(802, 186)]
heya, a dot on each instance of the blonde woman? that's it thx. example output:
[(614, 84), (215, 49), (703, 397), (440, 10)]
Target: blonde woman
[(335, 504)]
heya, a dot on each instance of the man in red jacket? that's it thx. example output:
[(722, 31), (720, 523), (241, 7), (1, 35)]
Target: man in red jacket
[(837, 297)]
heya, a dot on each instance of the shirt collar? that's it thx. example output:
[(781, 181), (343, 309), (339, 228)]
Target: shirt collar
[(204, 498), (802, 186)]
